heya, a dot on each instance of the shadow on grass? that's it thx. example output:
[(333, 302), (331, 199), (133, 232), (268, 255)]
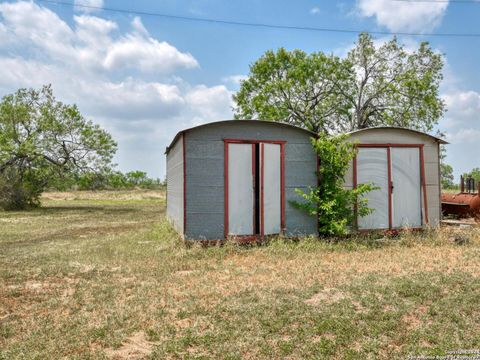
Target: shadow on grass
[(87, 209)]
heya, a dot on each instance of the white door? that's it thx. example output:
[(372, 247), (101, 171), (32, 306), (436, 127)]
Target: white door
[(372, 167), (240, 189), (271, 181), (406, 191)]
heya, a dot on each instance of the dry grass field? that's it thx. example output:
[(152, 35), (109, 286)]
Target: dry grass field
[(101, 275)]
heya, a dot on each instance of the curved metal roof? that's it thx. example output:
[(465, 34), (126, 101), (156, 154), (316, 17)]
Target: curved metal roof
[(273, 123), (278, 123), (439, 140)]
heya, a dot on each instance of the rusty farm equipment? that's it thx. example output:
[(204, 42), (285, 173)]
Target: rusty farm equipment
[(465, 204)]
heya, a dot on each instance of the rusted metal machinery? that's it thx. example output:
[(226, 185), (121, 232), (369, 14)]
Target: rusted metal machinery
[(464, 204)]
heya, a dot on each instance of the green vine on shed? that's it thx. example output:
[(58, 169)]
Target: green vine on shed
[(335, 206)]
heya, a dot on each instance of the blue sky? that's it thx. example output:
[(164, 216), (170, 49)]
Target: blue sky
[(144, 78)]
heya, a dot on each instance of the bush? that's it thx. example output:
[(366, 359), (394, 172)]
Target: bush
[(335, 206), (19, 192)]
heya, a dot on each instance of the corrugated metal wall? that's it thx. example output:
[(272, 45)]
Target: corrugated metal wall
[(205, 174), (431, 158), (175, 185)]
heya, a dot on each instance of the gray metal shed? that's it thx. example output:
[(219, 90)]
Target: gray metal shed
[(237, 177), (405, 166)]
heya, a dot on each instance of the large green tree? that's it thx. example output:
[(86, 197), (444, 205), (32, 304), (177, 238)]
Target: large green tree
[(298, 88), (395, 87), (373, 85), (42, 139)]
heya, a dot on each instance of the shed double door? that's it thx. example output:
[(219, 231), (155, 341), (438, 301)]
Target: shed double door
[(254, 188), (396, 172)]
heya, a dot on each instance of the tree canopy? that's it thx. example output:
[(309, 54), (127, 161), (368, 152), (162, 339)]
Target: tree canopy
[(296, 88), (42, 138), (373, 85)]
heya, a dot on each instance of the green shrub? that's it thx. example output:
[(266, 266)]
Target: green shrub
[(335, 206), (17, 191)]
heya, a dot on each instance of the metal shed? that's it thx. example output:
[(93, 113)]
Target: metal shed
[(237, 177), (405, 165)]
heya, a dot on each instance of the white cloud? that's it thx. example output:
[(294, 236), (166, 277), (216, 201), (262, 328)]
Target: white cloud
[(107, 72), (315, 10), (461, 124), (234, 79), (209, 102), (88, 6), (463, 110), (464, 136), (139, 50), (92, 42), (37, 27), (404, 16)]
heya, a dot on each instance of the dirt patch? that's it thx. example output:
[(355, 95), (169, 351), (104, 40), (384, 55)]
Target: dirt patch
[(183, 323), (326, 296), (359, 308), (327, 336), (413, 319), (31, 285), (82, 268), (184, 272), (68, 292), (389, 308), (134, 347)]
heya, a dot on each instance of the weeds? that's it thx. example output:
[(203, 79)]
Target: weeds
[(104, 276)]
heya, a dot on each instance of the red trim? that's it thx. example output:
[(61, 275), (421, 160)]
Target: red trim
[(184, 186), (282, 180), (225, 176), (262, 172), (388, 146), (355, 186), (241, 141), (390, 208), (424, 185), (282, 187), (253, 184)]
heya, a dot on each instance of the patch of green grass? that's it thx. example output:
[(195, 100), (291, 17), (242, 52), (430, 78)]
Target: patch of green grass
[(84, 275)]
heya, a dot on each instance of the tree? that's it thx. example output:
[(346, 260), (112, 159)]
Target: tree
[(394, 87), (446, 170), (335, 206), (474, 173), (42, 139), (296, 88), (137, 177), (372, 86), (446, 176)]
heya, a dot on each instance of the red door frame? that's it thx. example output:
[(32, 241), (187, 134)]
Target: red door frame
[(282, 180), (389, 161)]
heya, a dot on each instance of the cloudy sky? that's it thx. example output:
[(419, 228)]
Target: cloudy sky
[(144, 78)]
